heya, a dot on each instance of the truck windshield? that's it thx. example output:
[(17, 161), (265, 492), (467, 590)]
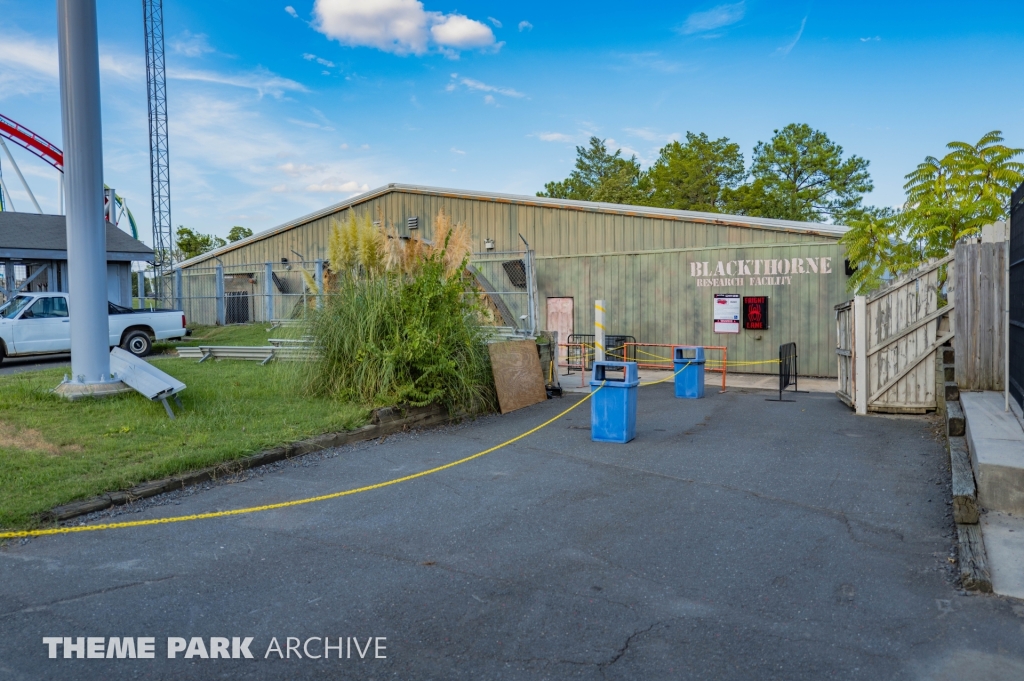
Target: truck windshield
[(11, 309)]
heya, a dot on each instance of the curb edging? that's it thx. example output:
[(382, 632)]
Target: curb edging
[(385, 422)]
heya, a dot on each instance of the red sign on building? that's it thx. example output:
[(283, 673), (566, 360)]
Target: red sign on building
[(755, 312)]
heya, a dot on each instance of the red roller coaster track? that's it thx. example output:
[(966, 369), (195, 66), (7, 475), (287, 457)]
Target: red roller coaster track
[(24, 137)]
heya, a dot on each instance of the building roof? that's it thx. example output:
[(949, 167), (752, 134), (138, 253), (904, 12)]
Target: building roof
[(834, 231), (29, 235)]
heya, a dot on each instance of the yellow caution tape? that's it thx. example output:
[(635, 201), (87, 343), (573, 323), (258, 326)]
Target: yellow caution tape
[(285, 504)]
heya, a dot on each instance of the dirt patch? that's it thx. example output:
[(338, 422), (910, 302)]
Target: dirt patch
[(31, 440)]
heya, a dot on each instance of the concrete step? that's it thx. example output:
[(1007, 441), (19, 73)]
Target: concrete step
[(996, 441), (965, 492), (951, 391), (955, 426)]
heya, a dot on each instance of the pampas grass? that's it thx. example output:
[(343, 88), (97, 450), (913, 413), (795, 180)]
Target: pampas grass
[(399, 323)]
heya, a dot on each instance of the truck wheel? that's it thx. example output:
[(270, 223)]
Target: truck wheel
[(138, 343)]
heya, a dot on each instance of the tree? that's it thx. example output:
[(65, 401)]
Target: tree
[(952, 198), (191, 244), (801, 175), (948, 200), (601, 176), (238, 233), (696, 175)]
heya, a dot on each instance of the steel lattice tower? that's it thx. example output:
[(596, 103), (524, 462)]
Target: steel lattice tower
[(159, 160)]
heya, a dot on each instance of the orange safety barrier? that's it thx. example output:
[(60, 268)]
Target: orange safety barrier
[(656, 361)]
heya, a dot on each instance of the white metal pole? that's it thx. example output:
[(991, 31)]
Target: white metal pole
[(83, 162), (598, 331), (1006, 319), (21, 177), (860, 354), (219, 280), (60, 193)]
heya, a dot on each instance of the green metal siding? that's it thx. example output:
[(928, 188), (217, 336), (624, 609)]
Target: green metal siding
[(653, 297), (638, 263)]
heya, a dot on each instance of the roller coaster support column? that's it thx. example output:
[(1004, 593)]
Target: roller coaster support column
[(83, 167)]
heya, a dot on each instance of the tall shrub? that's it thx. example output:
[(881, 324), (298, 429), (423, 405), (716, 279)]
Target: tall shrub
[(399, 323)]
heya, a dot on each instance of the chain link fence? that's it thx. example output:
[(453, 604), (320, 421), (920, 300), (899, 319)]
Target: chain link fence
[(270, 293)]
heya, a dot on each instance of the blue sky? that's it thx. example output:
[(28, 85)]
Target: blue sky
[(279, 108)]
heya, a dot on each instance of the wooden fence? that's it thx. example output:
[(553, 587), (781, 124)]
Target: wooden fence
[(887, 343), (980, 341)]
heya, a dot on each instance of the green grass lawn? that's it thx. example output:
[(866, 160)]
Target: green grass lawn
[(234, 334), (53, 451)]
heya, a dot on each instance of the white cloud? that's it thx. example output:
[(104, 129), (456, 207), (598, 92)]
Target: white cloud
[(868, 40), (497, 24), (525, 26), (461, 32), (489, 99), (787, 48), (29, 66), (310, 124), (319, 60), (295, 170), (399, 26), (266, 163), (344, 146), (291, 10), (336, 188), (192, 44), (554, 137), (261, 80), (460, 152), (716, 17), (651, 60), (651, 135), (479, 86)]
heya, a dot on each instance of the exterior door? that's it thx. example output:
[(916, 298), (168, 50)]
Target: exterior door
[(44, 327), (560, 318)]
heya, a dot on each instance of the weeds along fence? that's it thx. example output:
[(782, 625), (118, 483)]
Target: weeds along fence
[(273, 293)]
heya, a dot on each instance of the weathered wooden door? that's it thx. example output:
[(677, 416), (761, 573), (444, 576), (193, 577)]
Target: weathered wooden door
[(888, 343), (560, 319)]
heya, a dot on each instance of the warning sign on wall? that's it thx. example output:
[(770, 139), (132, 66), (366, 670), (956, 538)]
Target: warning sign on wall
[(727, 313), (755, 312)]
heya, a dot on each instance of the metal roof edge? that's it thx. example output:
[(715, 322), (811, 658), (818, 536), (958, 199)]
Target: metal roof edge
[(813, 228), (284, 227), (626, 209)]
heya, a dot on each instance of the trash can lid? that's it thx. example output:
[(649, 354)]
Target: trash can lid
[(683, 353), (608, 373)]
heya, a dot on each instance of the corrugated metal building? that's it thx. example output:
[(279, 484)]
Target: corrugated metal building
[(657, 269)]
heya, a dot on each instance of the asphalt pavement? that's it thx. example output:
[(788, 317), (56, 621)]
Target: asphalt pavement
[(17, 365), (733, 539)]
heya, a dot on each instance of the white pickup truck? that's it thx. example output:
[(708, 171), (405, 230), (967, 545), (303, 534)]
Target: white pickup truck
[(38, 323)]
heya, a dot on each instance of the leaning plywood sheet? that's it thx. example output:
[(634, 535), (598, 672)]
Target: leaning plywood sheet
[(517, 375)]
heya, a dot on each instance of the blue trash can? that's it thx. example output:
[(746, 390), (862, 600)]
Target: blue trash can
[(613, 408), (688, 363)]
